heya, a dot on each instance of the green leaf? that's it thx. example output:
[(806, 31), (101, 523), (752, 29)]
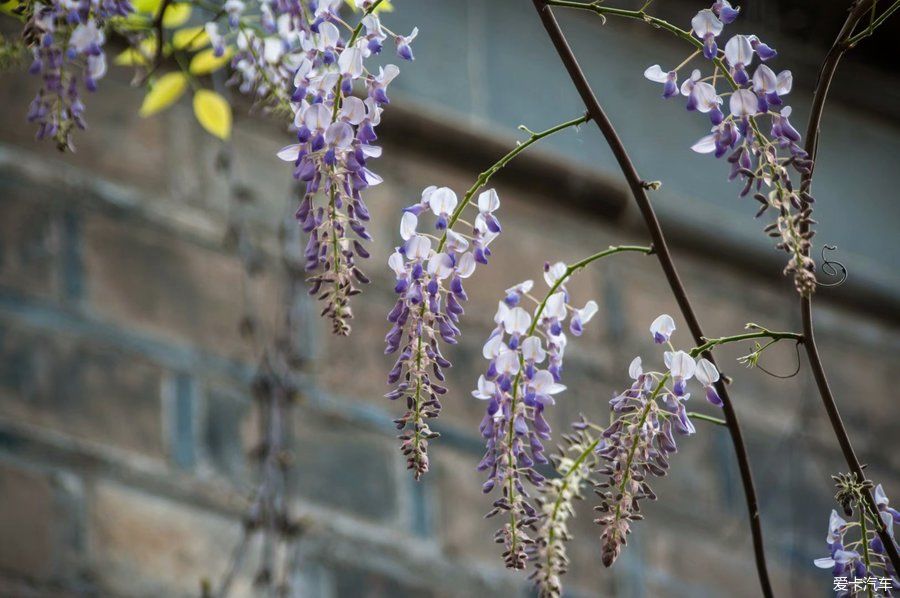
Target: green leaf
[(176, 15), (213, 113), (139, 56), (164, 93), (205, 62), (190, 38), (150, 7), (385, 6)]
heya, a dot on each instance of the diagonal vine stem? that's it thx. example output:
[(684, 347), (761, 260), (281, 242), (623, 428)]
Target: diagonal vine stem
[(845, 39), (639, 191)]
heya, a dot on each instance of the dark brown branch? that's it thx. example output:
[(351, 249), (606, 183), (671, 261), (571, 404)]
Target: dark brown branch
[(859, 10), (639, 191)]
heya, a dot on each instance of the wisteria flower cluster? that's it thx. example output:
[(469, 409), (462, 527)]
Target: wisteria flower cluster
[(304, 51), (857, 557), (518, 389), (66, 39), (640, 440), (575, 462), (429, 283), (762, 163)]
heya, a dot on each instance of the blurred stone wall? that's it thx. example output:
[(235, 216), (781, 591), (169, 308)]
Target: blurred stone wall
[(125, 416)]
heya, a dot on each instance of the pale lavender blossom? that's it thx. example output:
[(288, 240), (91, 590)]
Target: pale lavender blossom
[(525, 354), (640, 440), (66, 40), (303, 63), (429, 283)]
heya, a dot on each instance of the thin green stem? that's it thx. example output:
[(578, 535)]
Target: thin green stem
[(865, 543), (626, 472), (480, 182), (551, 536), (875, 23), (707, 418), (759, 333), (485, 176), (570, 270), (353, 37)]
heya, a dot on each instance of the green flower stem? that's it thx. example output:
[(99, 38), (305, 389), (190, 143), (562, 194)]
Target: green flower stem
[(570, 270), (760, 333), (626, 472), (566, 478), (480, 182), (874, 24), (707, 418), (353, 37), (683, 34), (865, 542), (485, 176)]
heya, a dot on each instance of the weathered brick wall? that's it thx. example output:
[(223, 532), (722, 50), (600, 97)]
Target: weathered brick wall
[(125, 415)]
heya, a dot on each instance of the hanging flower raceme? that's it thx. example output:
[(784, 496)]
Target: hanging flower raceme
[(66, 41), (525, 358), (575, 462), (307, 61), (856, 554), (764, 164), (429, 274), (640, 440)]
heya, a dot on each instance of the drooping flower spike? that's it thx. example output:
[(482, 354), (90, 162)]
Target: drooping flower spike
[(754, 91), (429, 284), (522, 380), (429, 273), (66, 41), (639, 442), (525, 362), (301, 62)]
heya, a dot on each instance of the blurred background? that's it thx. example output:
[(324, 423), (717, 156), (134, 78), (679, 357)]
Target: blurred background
[(126, 417)]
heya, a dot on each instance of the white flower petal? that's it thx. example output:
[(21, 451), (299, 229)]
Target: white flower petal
[(408, 224), (663, 325), (397, 264), (635, 369), (533, 349), (588, 311), (739, 51), (705, 22), (492, 347), (555, 307), (706, 372), (517, 321), (705, 145), (656, 74), (784, 83), (290, 153), (743, 103), (442, 201), (488, 201), (554, 273), (418, 247), (465, 267), (682, 365)]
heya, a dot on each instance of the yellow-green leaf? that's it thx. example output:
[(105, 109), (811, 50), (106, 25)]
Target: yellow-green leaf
[(150, 7), (190, 38), (164, 93), (385, 6), (140, 56), (176, 15), (213, 113), (206, 61)]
